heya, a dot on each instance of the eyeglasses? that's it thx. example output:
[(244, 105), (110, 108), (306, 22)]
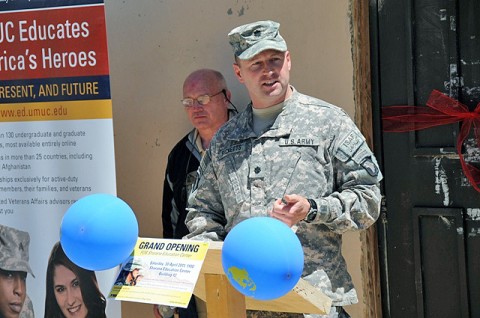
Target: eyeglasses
[(201, 100)]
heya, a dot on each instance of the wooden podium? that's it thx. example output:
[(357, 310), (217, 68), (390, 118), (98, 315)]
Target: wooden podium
[(223, 300)]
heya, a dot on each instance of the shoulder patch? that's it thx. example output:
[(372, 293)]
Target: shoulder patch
[(351, 143), (370, 166)]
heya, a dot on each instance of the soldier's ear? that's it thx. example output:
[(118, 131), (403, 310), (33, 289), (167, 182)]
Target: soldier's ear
[(238, 72)]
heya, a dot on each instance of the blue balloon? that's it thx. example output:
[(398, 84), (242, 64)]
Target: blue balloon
[(99, 231), (262, 258)]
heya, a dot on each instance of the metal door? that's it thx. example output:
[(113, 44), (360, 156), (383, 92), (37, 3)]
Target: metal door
[(429, 232)]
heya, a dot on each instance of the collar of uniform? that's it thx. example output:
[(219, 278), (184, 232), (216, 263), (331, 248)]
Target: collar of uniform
[(268, 113), (282, 126), (243, 125), (284, 123)]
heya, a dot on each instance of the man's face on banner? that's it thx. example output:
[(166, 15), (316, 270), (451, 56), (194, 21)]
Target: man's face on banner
[(12, 293)]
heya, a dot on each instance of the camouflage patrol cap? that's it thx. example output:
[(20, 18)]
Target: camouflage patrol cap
[(250, 39), (14, 250)]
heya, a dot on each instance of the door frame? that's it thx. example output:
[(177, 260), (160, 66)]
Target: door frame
[(366, 118)]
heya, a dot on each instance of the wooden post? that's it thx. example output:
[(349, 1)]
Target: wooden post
[(370, 263)]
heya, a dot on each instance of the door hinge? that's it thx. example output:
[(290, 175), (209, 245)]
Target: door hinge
[(383, 210), (455, 80)]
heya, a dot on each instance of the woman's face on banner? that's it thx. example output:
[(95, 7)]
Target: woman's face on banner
[(68, 293)]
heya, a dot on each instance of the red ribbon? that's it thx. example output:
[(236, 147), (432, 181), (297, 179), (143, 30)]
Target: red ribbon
[(441, 110)]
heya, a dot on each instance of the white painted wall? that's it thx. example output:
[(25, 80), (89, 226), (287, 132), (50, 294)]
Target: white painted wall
[(154, 44)]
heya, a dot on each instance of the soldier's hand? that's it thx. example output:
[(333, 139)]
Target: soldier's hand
[(290, 209)]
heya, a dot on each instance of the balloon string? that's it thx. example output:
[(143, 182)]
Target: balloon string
[(441, 110)]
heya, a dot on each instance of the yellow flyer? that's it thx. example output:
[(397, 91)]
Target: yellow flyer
[(160, 271)]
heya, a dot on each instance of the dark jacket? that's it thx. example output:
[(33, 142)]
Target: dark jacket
[(180, 174)]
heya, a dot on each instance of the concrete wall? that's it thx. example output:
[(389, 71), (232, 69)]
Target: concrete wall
[(154, 44)]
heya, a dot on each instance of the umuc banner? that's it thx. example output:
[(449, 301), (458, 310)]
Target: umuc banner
[(56, 142)]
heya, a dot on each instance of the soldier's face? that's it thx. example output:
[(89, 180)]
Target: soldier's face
[(135, 273), (266, 77), (68, 293), (12, 293)]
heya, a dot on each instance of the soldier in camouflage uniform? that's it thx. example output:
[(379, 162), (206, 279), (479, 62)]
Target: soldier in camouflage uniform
[(294, 157), (14, 267)]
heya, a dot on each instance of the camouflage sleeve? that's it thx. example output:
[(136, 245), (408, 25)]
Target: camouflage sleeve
[(206, 217), (355, 205), (27, 309)]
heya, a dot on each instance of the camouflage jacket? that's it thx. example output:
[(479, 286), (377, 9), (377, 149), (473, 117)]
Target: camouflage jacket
[(312, 149), (27, 309)]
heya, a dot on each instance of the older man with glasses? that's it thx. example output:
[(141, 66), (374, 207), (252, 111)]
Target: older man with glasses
[(206, 99)]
